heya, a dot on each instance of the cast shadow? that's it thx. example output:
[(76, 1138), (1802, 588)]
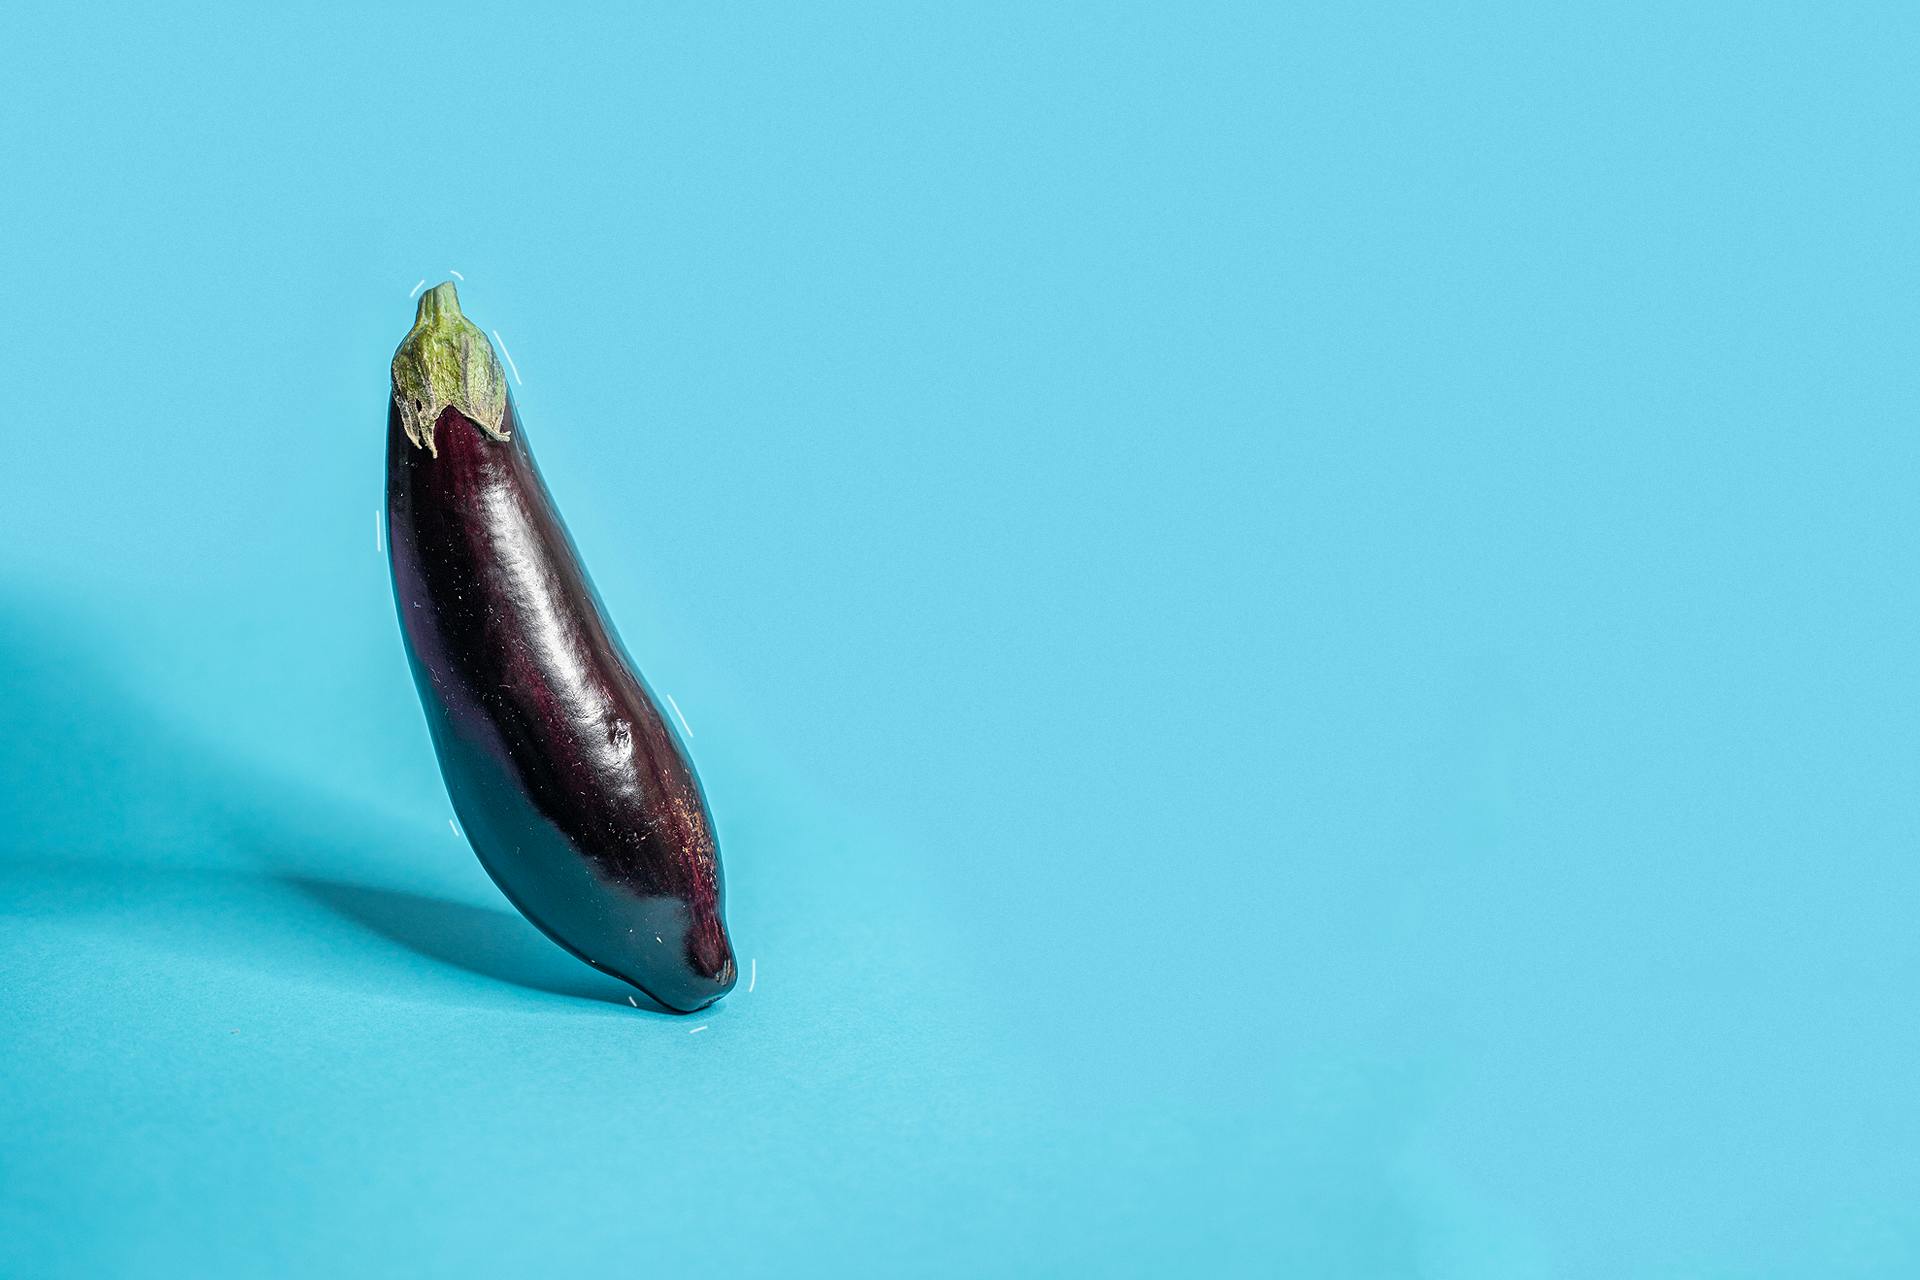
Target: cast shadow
[(94, 780), (492, 944)]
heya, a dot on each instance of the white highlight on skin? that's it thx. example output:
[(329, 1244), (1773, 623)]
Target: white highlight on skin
[(678, 716), (509, 355), (546, 618)]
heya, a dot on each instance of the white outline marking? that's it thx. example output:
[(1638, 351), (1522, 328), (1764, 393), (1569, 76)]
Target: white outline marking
[(697, 1030), (456, 275), (509, 355), (753, 974), (418, 287), (679, 715)]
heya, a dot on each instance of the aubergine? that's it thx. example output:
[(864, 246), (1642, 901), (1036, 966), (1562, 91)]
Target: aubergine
[(574, 790)]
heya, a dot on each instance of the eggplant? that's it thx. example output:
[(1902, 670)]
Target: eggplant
[(574, 790)]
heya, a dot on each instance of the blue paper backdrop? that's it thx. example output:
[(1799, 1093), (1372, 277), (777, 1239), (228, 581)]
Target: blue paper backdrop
[(1300, 622)]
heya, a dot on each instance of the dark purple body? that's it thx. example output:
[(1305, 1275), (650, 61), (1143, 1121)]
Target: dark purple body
[(572, 786)]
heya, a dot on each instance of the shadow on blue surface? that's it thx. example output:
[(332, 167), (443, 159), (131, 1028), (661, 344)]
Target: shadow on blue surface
[(110, 809), (491, 944)]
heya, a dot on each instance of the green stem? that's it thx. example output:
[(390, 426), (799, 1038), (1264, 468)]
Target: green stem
[(446, 360)]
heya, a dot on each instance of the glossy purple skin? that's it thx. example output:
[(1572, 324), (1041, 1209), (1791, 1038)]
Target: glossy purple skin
[(573, 788)]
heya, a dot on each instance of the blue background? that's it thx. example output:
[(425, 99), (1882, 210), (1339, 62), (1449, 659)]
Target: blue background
[(1300, 623)]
